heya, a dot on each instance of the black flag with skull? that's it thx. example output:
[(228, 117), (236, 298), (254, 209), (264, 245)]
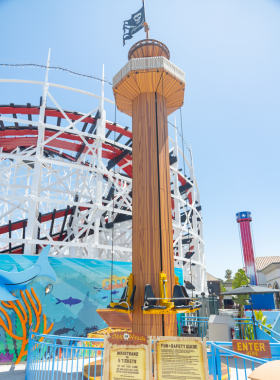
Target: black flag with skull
[(132, 26)]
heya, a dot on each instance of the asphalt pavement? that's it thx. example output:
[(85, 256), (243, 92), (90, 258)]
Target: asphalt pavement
[(12, 372)]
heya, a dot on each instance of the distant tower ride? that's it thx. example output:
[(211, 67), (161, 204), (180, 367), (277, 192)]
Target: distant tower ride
[(149, 88), (244, 218)]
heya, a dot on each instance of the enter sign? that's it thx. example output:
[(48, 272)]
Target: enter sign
[(257, 348)]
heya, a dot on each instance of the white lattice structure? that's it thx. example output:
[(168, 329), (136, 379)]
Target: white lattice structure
[(65, 178)]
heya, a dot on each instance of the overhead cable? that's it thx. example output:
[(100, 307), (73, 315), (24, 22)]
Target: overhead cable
[(32, 65)]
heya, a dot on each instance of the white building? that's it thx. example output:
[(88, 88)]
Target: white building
[(268, 271), (272, 275)]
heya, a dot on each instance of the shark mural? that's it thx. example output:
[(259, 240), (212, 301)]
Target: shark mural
[(13, 280)]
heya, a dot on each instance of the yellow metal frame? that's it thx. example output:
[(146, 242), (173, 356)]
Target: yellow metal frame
[(165, 301), (130, 284), (162, 292), (170, 311)]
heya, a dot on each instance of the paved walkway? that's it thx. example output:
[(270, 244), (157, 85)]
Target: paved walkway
[(12, 372), (63, 372)]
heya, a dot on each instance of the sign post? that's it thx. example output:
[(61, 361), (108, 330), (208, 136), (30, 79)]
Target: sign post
[(127, 356), (180, 358), (257, 348)]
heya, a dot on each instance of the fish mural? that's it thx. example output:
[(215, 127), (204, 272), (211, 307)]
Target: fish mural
[(63, 331), (70, 301), (13, 280), (115, 292)]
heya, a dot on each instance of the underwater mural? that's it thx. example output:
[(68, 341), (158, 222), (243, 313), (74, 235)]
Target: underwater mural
[(81, 287), (27, 315), (13, 279)]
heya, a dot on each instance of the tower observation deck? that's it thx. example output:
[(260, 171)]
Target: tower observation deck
[(149, 88)]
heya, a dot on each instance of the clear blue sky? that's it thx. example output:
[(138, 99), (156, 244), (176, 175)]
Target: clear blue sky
[(229, 50)]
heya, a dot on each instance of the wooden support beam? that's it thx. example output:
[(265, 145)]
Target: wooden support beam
[(149, 90), (152, 244)]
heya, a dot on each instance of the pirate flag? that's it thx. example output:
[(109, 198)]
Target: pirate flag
[(132, 26)]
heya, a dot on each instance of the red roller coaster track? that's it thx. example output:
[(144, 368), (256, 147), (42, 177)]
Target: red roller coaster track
[(12, 137)]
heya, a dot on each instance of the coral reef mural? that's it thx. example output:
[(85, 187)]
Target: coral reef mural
[(26, 313), (69, 310)]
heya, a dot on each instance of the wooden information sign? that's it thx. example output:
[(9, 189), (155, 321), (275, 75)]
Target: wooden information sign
[(257, 348), (127, 356), (179, 358)]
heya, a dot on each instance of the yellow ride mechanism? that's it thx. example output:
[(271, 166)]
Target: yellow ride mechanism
[(178, 303), (164, 301), (125, 303)]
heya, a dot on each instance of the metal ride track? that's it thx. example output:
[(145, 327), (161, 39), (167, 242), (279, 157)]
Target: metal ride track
[(59, 172)]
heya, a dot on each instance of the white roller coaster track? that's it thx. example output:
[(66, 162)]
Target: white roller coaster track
[(56, 186)]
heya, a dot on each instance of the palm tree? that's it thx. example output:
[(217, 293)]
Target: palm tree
[(228, 275), (240, 279)]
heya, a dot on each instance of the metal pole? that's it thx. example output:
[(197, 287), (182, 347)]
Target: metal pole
[(100, 134), (146, 26), (175, 176), (191, 275), (253, 317), (37, 171)]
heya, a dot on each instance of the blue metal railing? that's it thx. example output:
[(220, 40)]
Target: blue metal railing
[(243, 330), (200, 323), (52, 357), (223, 361), (268, 331)]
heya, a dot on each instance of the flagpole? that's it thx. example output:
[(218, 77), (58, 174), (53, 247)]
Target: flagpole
[(146, 26)]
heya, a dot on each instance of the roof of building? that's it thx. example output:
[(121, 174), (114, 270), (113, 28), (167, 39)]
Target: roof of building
[(271, 267), (211, 278), (227, 285), (262, 262)]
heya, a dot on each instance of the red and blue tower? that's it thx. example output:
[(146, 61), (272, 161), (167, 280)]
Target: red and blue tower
[(244, 219)]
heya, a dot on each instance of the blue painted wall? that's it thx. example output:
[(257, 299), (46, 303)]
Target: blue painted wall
[(80, 279), (262, 301), (271, 316)]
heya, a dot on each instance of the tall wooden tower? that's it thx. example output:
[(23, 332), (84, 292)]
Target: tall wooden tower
[(149, 88)]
